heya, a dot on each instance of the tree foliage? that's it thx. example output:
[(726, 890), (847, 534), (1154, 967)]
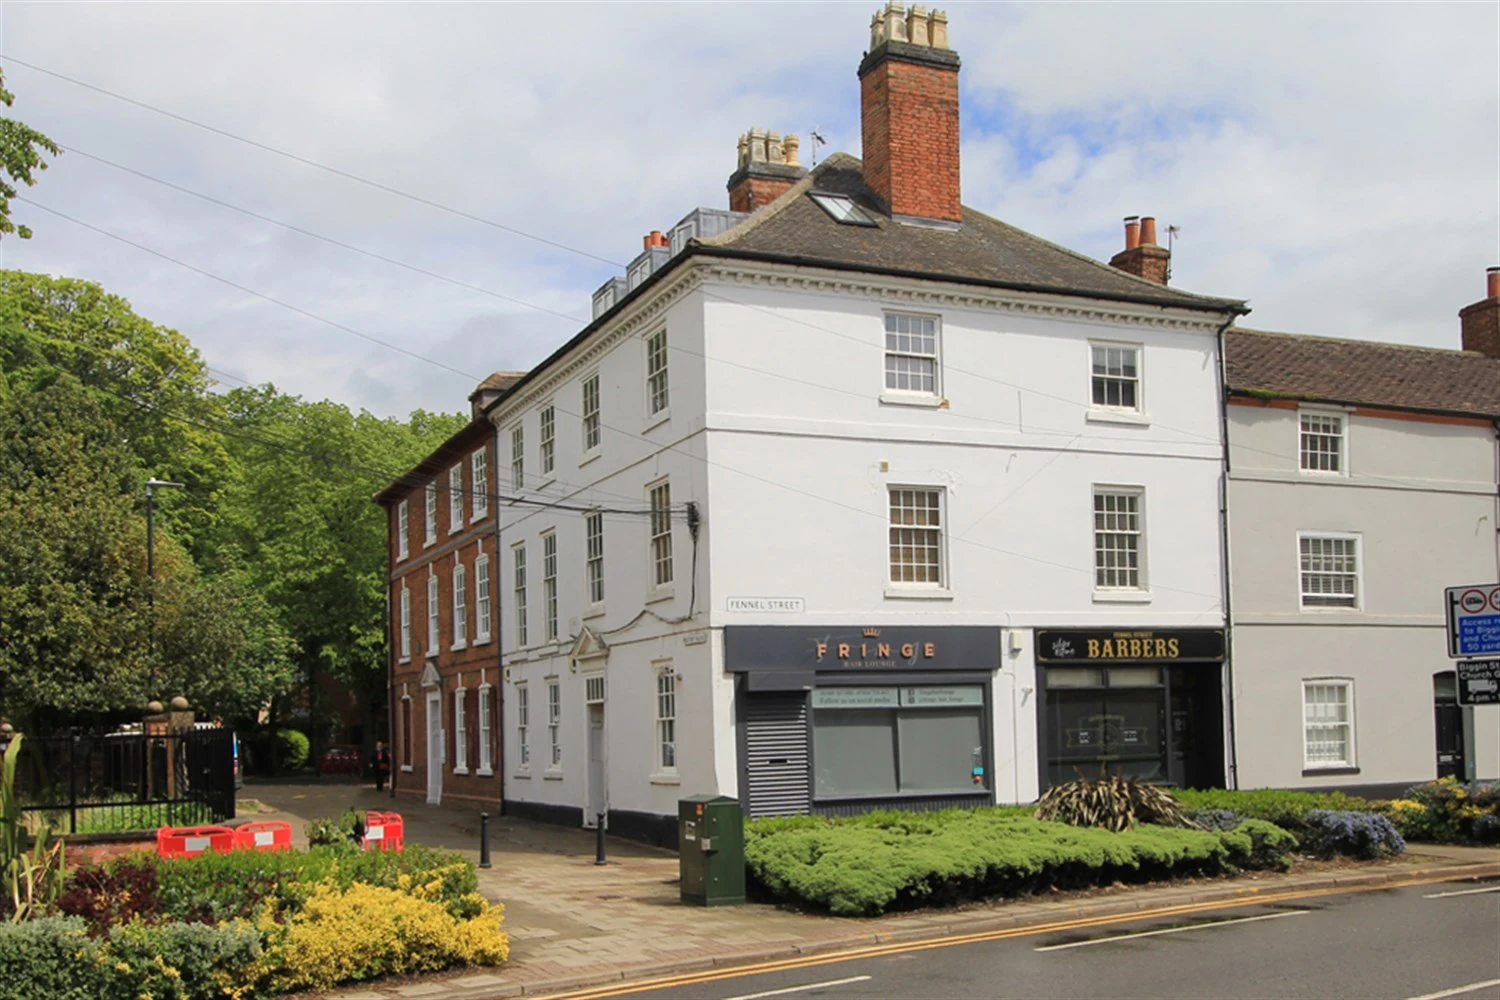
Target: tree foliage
[(21, 149)]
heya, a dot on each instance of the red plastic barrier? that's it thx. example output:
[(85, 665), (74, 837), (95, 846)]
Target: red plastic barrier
[(384, 831), (268, 835), (189, 841)]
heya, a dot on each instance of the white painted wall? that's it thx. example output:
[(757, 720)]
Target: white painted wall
[(1421, 496), (778, 431)]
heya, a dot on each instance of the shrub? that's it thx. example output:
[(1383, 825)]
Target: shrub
[(51, 957), (1256, 844), (1355, 834), (1216, 819), (340, 831), (1287, 809), (1444, 810), (292, 749), (1112, 802), (179, 961), (867, 864), (221, 887), (115, 894), (365, 931)]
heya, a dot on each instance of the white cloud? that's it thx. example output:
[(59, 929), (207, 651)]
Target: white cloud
[(1334, 164)]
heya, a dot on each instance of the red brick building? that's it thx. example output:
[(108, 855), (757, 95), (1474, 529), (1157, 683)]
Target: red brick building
[(444, 616)]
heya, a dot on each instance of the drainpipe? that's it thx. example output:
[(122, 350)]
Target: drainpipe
[(1232, 779), (496, 618)]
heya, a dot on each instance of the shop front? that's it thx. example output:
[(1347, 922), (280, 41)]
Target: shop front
[(845, 719), (1139, 703)]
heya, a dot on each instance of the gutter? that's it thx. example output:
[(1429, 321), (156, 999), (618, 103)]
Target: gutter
[(1265, 395)]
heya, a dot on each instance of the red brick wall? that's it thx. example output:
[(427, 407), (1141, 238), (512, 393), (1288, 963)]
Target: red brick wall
[(464, 545), (1481, 327), (755, 192), (1149, 262), (909, 125)]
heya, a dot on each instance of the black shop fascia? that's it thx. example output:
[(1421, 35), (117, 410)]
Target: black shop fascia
[(842, 719), (1144, 703)]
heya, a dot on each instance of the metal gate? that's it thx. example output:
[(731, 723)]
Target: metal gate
[(776, 754)]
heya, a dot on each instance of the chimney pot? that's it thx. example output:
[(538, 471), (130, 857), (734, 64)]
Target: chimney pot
[(654, 239), (1132, 232), (937, 29), (895, 22), (789, 146), (1148, 230), (916, 24)]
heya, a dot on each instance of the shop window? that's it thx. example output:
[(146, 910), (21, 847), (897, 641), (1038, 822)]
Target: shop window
[(877, 742), (1105, 720)]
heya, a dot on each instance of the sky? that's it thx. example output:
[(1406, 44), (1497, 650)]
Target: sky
[(1337, 165)]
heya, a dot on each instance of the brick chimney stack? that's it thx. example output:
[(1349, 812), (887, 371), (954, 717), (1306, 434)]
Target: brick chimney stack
[(767, 167), (1141, 256), (908, 95), (1481, 321)]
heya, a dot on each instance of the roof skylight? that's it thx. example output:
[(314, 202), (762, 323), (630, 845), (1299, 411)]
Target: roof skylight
[(842, 208)]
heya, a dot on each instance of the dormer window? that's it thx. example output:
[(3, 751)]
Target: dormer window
[(842, 208)]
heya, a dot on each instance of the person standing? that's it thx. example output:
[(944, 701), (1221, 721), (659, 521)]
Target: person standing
[(382, 764)]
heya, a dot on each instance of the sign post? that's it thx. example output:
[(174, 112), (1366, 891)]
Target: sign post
[(1479, 682), (1473, 615)]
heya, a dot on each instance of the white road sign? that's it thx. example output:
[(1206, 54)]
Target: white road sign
[(1473, 614)]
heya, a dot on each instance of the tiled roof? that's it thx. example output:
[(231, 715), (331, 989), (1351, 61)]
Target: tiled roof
[(1361, 372), (981, 250)]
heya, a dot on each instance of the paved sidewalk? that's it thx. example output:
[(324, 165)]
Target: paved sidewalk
[(573, 923)]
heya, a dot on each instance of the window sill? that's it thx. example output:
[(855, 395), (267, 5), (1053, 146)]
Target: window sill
[(548, 479), (484, 772), (659, 594), (460, 770), (665, 778), (594, 611), (522, 774), (1128, 418), (458, 645), (655, 420), (589, 456), (433, 653), (920, 400), (1322, 474), (482, 642), (1330, 770), (406, 768), (1122, 597), (403, 556), (479, 515), (1318, 610), (552, 775), (404, 659), (913, 594), (454, 529), (429, 543)]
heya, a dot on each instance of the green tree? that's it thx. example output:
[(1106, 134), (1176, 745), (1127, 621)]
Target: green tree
[(21, 149), (73, 582), (299, 512), (146, 379)]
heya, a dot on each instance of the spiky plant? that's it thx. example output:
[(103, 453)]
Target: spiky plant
[(1111, 802)]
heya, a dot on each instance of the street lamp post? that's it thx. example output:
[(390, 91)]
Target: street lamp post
[(152, 485)]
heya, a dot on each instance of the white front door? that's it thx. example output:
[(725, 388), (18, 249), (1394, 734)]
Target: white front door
[(434, 749)]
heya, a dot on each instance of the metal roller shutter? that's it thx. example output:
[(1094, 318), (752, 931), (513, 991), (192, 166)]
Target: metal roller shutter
[(776, 753)]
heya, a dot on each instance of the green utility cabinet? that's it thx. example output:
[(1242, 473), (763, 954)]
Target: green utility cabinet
[(711, 850)]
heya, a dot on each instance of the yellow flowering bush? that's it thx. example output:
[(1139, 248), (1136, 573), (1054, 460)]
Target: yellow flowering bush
[(364, 931)]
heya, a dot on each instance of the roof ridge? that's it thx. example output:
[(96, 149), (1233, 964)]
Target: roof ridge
[(1363, 342), (779, 204), (1090, 260)]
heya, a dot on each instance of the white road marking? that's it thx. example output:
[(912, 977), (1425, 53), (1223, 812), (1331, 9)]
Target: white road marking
[(1173, 930), (1460, 892), (1457, 990), (799, 989)]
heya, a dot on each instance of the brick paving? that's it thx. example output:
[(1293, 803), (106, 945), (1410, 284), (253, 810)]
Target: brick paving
[(573, 923)]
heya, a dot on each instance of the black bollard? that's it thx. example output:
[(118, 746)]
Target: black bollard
[(484, 840), (599, 839)]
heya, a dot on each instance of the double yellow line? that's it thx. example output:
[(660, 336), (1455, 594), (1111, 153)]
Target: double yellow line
[(876, 951)]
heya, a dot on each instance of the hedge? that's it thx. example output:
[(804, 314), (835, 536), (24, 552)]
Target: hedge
[(865, 865)]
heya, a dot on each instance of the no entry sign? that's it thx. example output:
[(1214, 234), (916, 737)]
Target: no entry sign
[(1473, 620)]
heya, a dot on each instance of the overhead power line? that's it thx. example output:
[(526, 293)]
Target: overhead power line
[(347, 175)]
